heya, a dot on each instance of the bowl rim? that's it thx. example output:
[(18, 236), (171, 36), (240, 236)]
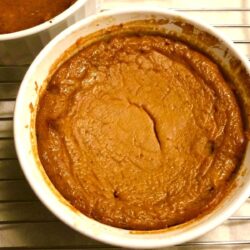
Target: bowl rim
[(45, 25), (197, 230)]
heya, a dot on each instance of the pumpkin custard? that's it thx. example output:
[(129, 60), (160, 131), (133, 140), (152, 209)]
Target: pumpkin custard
[(140, 132), (19, 15)]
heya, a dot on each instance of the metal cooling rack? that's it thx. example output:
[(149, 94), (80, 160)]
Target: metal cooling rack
[(26, 224)]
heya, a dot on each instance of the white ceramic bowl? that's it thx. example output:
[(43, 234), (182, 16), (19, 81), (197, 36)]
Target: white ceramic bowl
[(21, 47), (25, 142)]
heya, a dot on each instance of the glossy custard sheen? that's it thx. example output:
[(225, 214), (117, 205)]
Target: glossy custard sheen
[(16, 15), (140, 132)]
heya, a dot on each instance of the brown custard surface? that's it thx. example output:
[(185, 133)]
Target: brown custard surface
[(140, 132), (16, 15)]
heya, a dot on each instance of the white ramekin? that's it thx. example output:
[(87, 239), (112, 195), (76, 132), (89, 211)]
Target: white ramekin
[(24, 132), (20, 48)]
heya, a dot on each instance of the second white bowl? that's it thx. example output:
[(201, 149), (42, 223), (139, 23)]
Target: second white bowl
[(20, 48)]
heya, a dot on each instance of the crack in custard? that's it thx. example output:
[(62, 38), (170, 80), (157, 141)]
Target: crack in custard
[(144, 132)]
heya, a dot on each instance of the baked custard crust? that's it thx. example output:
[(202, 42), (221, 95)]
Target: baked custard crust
[(140, 132), (19, 15)]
